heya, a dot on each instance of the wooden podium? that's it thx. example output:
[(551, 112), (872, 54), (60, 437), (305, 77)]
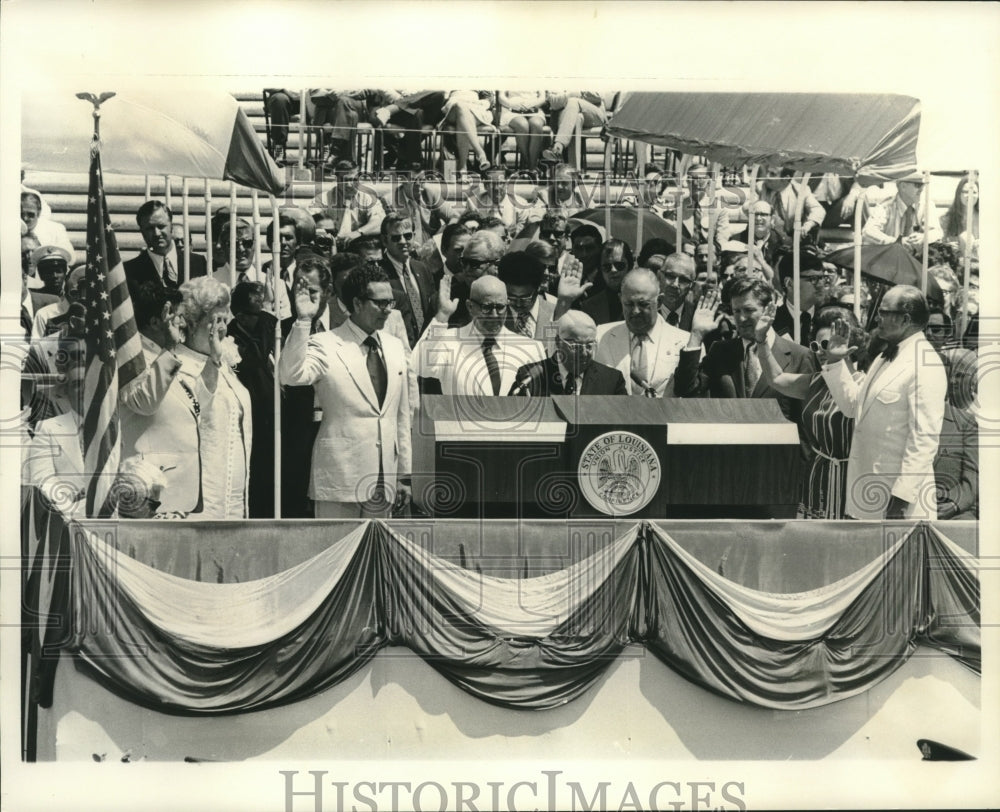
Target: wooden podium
[(605, 456)]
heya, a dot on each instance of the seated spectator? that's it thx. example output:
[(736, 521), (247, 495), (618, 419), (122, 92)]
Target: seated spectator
[(354, 207), (46, 230), (344, 110), (481, 358), (481, 257), (521, 111), (161, 260), (529, 314), (644, 347), (954, 222), (813, 287), (496, 198), (731, 368), (466, 110), (902, 218), (412, 282), (50, 318), (252, 328), (565, 109), (571, 368), (225, 420), (162, 411), (564, 197), (956, 465), (281, 106), (782, 194), (767, 243), (409, 113), (422, 202)]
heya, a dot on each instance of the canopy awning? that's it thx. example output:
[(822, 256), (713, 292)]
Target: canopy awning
[(844, 133), (148, 131)]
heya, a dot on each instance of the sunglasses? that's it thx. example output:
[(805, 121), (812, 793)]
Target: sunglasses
[(517, 300), (477, 263), (816, 346), (401, 237), (493, 309), (246, 245), (550, 235)]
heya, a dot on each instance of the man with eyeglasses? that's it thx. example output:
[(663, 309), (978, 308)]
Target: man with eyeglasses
[(246, 270), (782, 194), (483, 357), (902, 218), (481, 257), (351, 204), (411, 280), (643, 346), (571, 368), (814, 288), (898, 410), (529, 314), (361, 458), (605, 306), (676, 280)]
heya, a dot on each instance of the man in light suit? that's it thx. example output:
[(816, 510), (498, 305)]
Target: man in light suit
[(571, 369), (644, 347), (361, 459), (161, 261), (898, 409), (483, 357)]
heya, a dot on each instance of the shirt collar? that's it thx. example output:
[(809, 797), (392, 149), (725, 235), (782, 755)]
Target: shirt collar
[(401, 267), (360, 335), (158, 259)]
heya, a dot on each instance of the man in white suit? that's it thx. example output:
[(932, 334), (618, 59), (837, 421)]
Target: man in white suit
[(481, 358), (361, 458), (898, 408), (644, 347)]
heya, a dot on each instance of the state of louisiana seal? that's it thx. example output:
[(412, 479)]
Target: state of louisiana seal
[(619, 473)]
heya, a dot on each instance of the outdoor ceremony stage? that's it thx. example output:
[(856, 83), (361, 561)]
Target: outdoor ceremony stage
[(461, 639)]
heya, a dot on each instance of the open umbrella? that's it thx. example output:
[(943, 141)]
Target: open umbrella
[(891, 263), (148, 131), (624, 224)]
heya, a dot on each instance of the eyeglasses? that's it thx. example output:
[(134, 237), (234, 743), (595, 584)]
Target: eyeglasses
[(494, 309), (521, 300), (246, 245), (821, 345), (639, 305), (382, 304), (401, 237), (676, 279), (551, 235), (477, 263), (938, 328), (607, 267)]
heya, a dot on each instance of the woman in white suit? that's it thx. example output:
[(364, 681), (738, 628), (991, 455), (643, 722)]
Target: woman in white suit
[(224, 419)]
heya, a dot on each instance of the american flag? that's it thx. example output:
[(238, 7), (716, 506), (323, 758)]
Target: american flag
[(114, 349)]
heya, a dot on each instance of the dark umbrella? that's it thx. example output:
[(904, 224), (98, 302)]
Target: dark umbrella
[(891, 263), (624, 222)]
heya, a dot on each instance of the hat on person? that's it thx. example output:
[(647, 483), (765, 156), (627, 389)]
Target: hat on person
[(49, 253), (914, 176)]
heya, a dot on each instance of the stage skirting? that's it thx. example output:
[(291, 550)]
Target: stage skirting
[(178, 619)]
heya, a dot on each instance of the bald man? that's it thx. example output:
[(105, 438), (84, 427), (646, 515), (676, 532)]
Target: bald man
[(644, 347), (480, 358), (571, 369)]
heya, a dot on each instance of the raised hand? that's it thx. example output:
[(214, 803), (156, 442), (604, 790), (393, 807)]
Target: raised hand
[(839, 345), (706, 316), (571, 285), (306, 300), (216, 335), (764, 323), (446, 305), (175, 326)]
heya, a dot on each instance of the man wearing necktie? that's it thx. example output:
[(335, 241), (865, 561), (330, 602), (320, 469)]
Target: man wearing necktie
[(643, 346), (412, 282), (898, 410), (296, 228), (160, 261), (571, 368), (361, 458), (676, 279), (529, 314), (481, 358), (902, 218), (813, 288)]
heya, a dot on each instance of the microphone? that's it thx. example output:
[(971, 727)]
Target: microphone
[(521, 386)]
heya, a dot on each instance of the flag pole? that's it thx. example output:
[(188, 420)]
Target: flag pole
[(166, 190), (149, 189), (859, 207), (255, 213), (971, 178), (275, 281), (208, 227), (800, 204), (187, 228), (751, 219), (232, 234), (927, 233)]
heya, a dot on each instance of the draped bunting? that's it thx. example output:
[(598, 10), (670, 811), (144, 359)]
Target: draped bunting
[(190, 647)]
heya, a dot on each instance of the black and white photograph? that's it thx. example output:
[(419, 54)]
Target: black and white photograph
[(471, 442)]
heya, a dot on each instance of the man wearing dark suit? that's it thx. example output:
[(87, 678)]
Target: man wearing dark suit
[(812, 290), (731, 368), (571, 369), (161, 261), (528, 313), (676, 279), (411, 281)]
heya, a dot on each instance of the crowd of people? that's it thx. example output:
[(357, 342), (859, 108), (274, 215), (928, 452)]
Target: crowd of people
[(381, 300)]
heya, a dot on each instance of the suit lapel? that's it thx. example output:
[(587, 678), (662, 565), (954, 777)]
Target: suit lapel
[(875, 383)]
